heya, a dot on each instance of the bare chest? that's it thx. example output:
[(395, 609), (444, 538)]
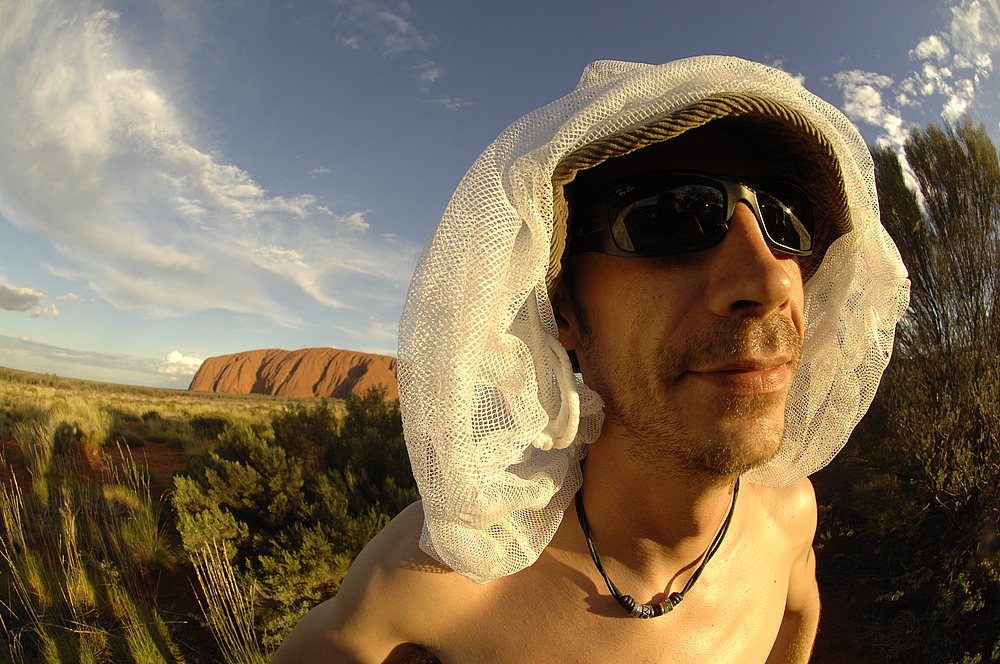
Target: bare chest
[(561, 611)]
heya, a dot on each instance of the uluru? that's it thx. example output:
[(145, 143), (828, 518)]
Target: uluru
[(309, 372)]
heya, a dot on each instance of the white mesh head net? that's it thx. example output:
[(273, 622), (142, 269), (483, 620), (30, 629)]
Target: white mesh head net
[(495, 420)]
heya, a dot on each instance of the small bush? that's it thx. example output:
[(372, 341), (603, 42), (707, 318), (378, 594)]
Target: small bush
[(307, 433), (208, 428), (287, 531), (292, 512), (175, 433)]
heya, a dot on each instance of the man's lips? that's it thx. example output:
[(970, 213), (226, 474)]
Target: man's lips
[(747, 377)]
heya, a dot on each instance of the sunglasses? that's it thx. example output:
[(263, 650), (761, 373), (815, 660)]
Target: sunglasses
[(669, 213)]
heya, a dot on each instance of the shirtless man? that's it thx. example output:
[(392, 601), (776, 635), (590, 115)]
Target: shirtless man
[(689, 320)]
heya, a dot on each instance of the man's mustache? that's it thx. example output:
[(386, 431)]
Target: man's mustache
[(733, 339)]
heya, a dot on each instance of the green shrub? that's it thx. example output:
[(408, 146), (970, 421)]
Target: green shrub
[(918, 531), (292, 512), (370, 453), (306, 433), (208, 428), (287, 532)]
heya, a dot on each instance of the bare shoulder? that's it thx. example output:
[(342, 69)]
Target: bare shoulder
[(792, 509), (393, 594)]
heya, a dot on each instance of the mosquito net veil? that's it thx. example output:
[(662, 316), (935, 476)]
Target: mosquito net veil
[(494, 417)]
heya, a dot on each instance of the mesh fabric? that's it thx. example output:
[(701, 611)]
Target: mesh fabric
[(495, 420)]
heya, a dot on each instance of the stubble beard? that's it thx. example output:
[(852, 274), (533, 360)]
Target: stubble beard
[(658, 434)]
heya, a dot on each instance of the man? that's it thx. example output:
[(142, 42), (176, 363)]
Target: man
[(730, 298)]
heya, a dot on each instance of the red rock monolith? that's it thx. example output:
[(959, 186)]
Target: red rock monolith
[(309, 372)]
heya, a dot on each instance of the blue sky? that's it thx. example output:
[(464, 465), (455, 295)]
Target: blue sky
[(188, 178)]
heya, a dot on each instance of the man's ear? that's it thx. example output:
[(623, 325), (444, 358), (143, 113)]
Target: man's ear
[(567, 321)]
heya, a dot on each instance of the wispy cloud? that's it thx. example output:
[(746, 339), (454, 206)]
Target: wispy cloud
[(100, 162), (428, 72), (12, 348), (779, 63), (951, 67), (385, 27), (372, 337), (381, 26), (451, 103), (864, 102)]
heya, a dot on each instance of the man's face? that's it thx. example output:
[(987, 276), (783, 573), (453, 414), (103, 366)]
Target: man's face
[(692, 354)]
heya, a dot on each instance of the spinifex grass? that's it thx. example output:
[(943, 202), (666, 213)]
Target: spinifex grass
[(75, 550), (94, 411), (228, 607)]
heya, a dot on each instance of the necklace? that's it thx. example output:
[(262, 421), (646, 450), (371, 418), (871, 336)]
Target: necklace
[(627, 602)]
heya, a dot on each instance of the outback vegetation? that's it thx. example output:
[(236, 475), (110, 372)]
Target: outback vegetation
[(102, 561), (920, 526)]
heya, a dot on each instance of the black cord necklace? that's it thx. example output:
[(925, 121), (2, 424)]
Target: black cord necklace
[(627, 602)]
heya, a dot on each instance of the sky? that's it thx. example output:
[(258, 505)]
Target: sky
[(181, 179)]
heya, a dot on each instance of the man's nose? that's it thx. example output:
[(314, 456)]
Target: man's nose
[(747, 277)]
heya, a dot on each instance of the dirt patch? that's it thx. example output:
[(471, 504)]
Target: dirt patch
[(160, 460)]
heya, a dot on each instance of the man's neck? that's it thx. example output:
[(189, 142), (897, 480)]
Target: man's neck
[(655, 522)]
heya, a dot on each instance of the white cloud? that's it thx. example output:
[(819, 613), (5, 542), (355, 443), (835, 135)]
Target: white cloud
[(955, 108), (952, 67), (428, 71), (18, 299), (779, 63), (353, 221), (177, 363), (45, 312), (68, 296), (931, 47), (864, 102), (397, 34), (372, 336), (100, 162), (30, 355)]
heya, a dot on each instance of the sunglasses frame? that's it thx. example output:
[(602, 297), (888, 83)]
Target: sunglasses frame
[(597, 230)]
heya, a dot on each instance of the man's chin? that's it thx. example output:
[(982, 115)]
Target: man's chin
[(718, 454), (738, 452), (731, 463)]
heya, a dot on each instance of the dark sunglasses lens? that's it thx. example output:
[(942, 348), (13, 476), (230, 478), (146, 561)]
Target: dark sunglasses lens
[(787, 215), (678, 218)]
